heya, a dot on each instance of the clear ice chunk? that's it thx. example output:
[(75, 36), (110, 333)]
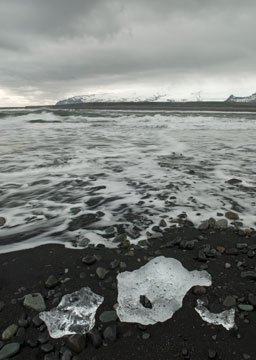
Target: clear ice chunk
[(225, 318), (154, 292), (75, 314)]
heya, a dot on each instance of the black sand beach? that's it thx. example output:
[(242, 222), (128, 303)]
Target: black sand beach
[(227, 254)]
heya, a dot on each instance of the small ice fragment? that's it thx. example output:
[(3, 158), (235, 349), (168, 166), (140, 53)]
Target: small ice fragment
[(75, 314), (225, 318), (154, 292)]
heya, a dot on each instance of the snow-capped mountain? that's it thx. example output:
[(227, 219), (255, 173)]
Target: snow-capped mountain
[(247, 99), (115, 97)]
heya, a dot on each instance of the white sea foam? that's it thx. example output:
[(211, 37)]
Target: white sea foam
[(52, 161)]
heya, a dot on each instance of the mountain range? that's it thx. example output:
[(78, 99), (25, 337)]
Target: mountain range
[(134, 97)]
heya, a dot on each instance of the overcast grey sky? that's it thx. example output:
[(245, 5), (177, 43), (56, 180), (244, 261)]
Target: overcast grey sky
[(52, 49)]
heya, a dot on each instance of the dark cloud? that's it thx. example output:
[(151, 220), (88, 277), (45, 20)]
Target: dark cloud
[(49, 49)]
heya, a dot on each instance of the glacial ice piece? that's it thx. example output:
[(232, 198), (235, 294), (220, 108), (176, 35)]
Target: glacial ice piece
[(225, 318), (155, 292), (75, 314)]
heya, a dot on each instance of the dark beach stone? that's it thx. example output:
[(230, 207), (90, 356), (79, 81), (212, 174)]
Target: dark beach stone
[(110, 333), (89, 259), (2, 305), (120, 238), (43, 338), (252, 299), (76, 343), (23, 323), (231, 251), (51, 356), (95, 338), (37, 321), (101, 272), (204, 225), (201, 256), (67, 355), (199, 290), (9, 350), (251, 275), (251, 254), (162, 223), (241, 246), (32, 343), (20, 336), (229, 301), (2, 221), (233, 181), (9, 332), (145, 336), (145, 302), (212, 354), (82, 221), (48, 347), (108, 316), (35, 302), (114, 264), (51, 282), (221, 224), (231, 215), (245, 307)]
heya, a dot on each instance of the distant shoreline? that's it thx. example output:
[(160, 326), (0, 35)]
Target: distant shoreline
[(154, 106)]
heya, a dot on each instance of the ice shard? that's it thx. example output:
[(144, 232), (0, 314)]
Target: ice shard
[(225, 318), (154, 292), (75, 314)]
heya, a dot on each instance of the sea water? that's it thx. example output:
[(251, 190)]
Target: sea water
[(125, 168)]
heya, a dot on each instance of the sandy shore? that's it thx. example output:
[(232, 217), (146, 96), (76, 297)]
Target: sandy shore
[(226, 254)]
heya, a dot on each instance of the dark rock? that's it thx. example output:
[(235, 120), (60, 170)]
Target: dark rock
[(20, 336), (252, 299), (251, 254), (82, 221), (241, 246), (2, 221), (9, 332), (89, 259), (9, 350), (120, 238), (23, 323), (101, 272), (145, 336), (43, 338), (245, 307), (35, 302), (48, 347), (51, 282), (212, 354), (199, 290), (231, 215), (110, 333), (2, 305), (95, 337), (157, 229), (251, 275), (108, 316), (233, 181), (32, 343), (204, 225), (221, 224), (67, 355), (145, 302), (229, 301), (37, 321), (162, 223), (114, 264), (76, 343), (231, 251), (201, 256)]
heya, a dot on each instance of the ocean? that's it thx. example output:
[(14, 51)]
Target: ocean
[(81, 177)]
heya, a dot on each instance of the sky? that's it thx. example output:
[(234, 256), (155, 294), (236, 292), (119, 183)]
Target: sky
[(54, 49)]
